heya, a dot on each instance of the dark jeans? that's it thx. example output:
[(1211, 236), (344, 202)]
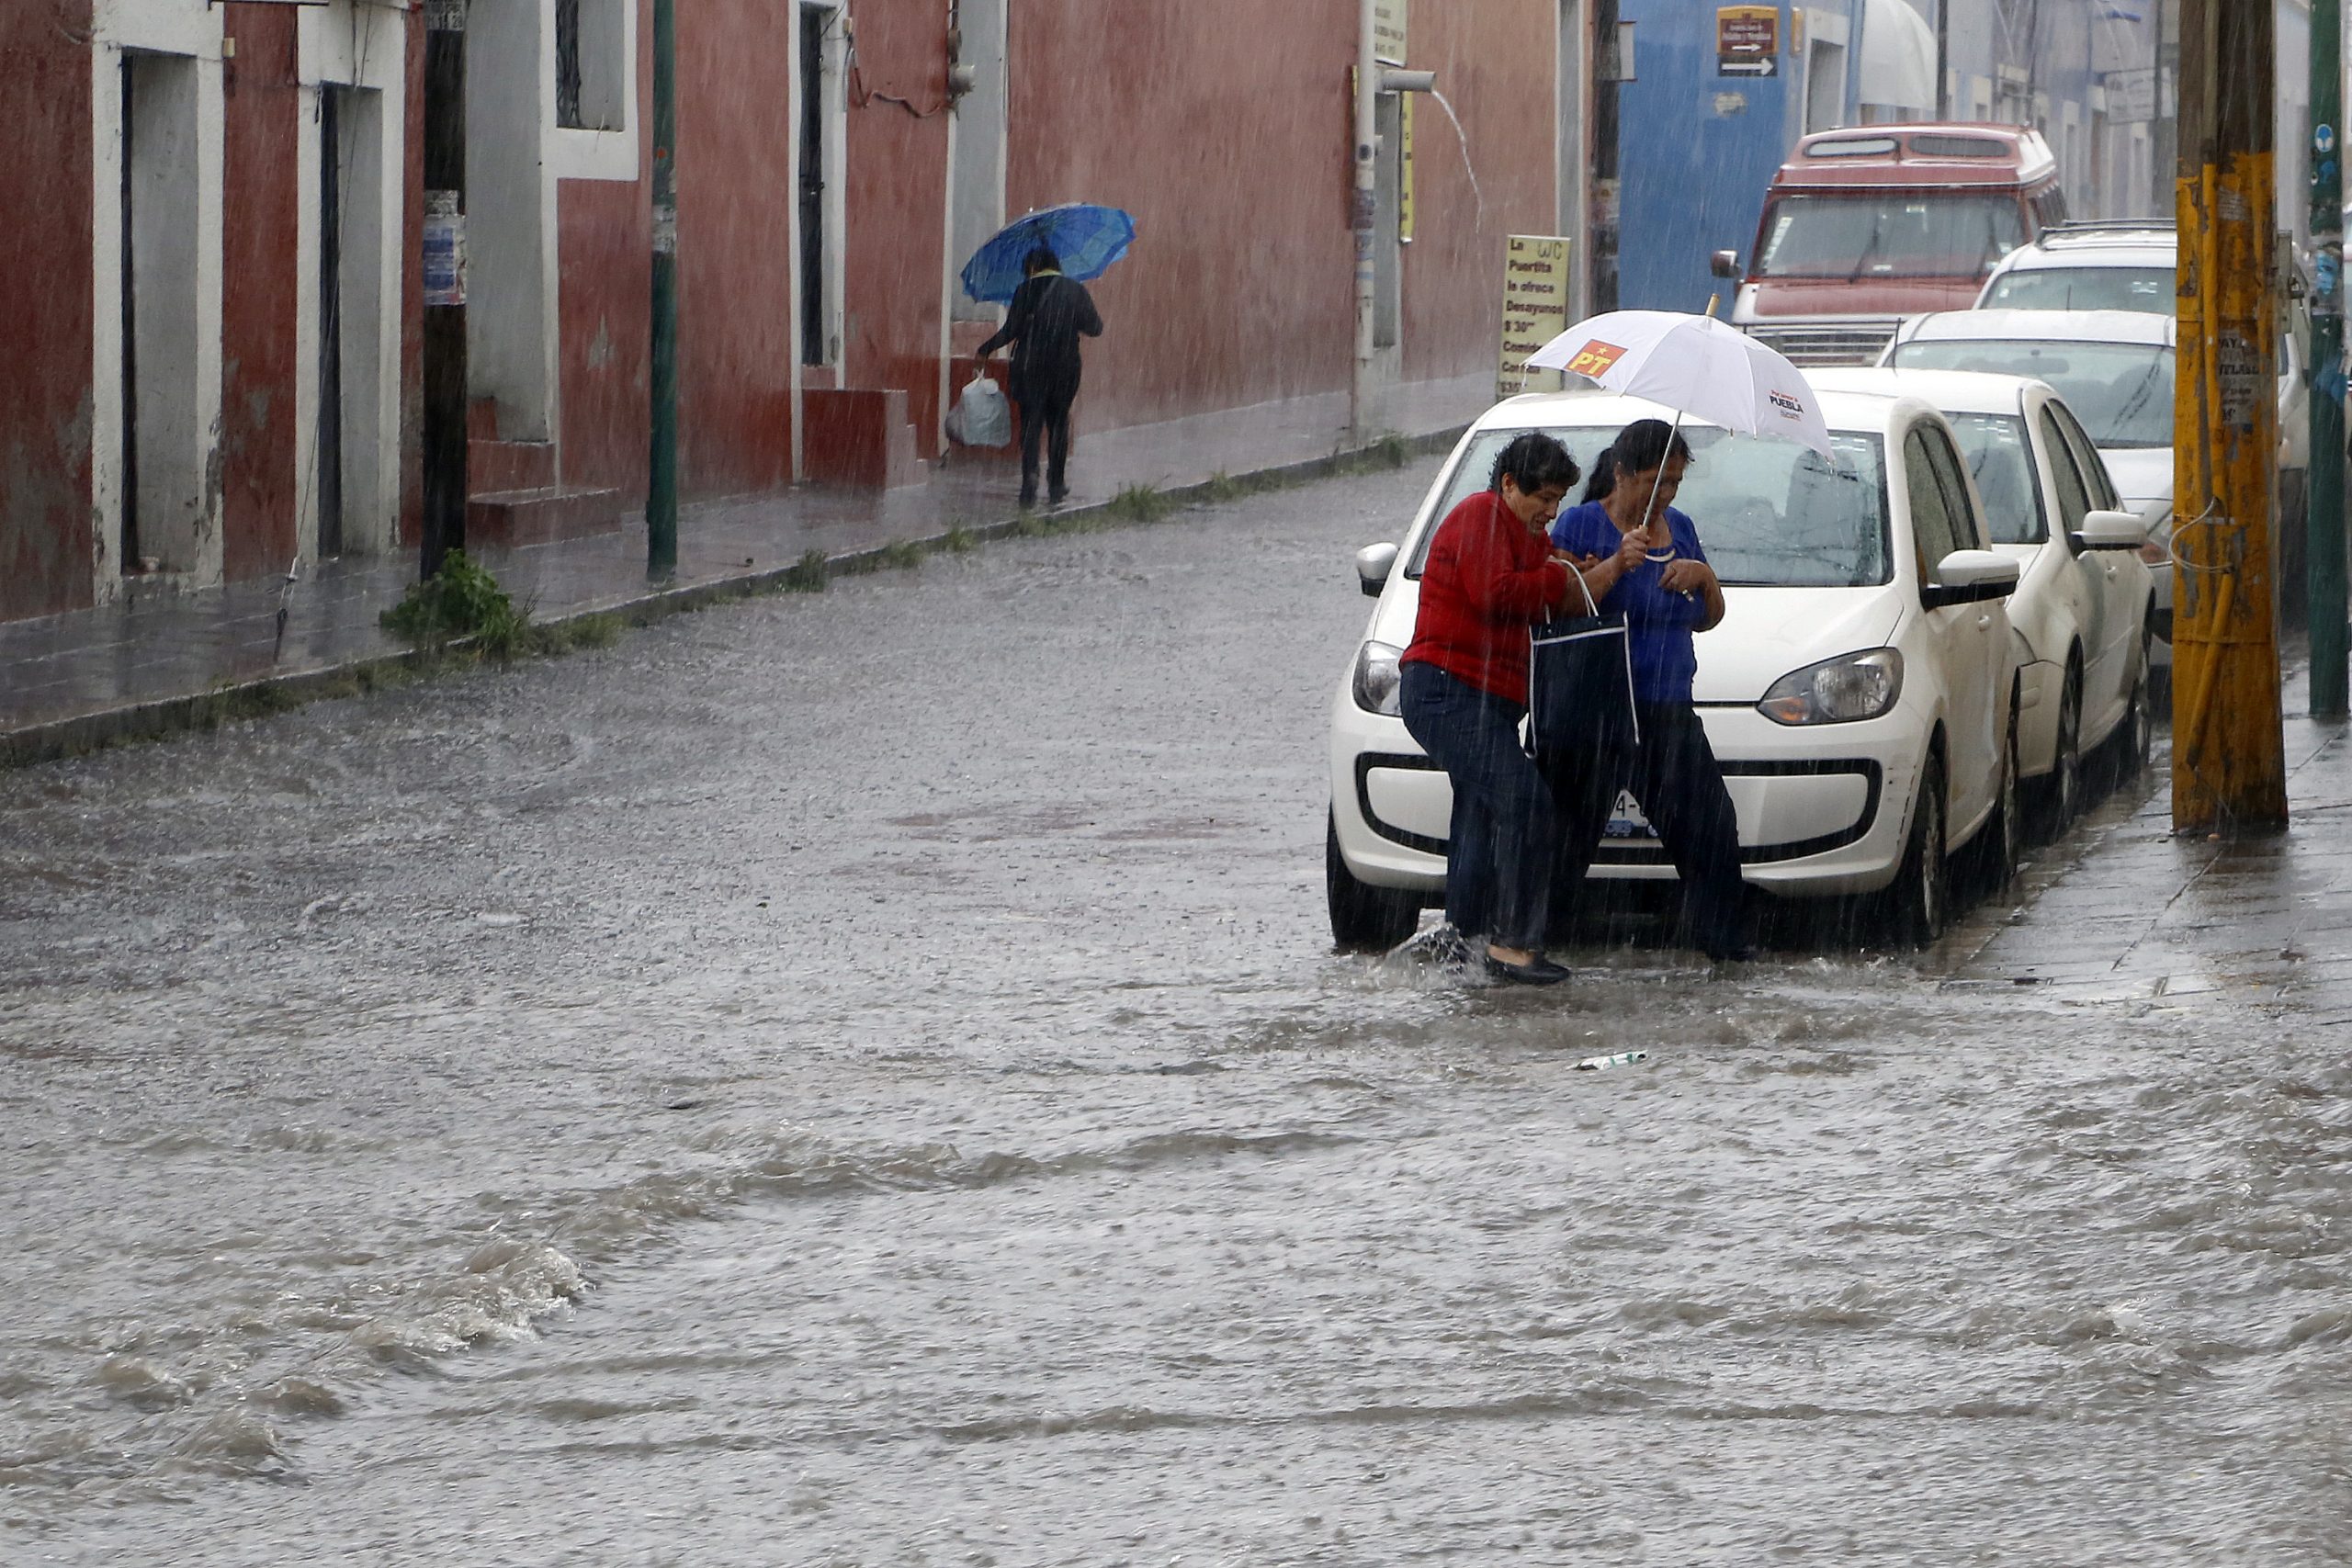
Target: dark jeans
[(1498, 849), (1045, 412), (1674, 774)]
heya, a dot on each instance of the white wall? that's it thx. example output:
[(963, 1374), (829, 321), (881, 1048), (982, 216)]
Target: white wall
[(363, 47), (178, 168)]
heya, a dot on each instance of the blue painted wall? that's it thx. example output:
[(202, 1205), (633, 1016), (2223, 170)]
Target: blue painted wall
[(1691, 176)]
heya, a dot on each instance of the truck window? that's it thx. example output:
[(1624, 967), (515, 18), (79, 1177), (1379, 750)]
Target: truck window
[(1888, 234)]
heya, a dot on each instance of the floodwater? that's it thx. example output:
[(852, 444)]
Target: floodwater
[(861, 1079)]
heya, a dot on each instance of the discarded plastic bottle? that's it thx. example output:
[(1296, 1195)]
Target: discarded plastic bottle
[(1622, 1059)]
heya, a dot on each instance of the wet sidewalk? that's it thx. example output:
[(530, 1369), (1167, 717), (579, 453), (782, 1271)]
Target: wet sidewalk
[(2121, 912), (160, 661)]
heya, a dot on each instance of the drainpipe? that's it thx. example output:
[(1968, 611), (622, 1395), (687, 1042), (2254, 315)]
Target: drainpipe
[(1366, 202)]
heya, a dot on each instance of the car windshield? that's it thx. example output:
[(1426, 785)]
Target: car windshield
[(1768, 512), (2122, 391), (2085, 288), (1888, 234), (1995, 448)]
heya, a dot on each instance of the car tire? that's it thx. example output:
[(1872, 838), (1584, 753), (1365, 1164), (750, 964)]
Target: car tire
[(1364, 919), (1992, 854), (2135, 738), (2063, 790), (1921, 898)]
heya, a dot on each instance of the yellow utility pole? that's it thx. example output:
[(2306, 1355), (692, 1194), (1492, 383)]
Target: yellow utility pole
[(2229, 766)]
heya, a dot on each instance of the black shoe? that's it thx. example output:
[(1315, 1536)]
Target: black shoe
[(1537, 971), (1056, 495), (1028, 499)]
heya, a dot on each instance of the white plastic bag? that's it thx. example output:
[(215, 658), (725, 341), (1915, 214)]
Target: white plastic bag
[(981, 417)]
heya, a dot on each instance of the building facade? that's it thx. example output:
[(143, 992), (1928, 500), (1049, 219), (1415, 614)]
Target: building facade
[(219, 377)]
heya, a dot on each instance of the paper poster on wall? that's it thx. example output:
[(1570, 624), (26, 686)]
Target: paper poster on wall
[(1535, 310), (1388, 31), (1747, 40)]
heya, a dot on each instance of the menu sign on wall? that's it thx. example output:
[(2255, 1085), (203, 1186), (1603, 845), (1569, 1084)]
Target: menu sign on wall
[(1535, 310)]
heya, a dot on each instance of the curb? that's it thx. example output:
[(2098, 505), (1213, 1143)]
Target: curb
[(55, 739)]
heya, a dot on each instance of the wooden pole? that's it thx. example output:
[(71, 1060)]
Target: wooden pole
[(2229, 749)]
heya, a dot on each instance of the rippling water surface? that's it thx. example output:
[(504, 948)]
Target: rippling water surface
[(861, 1080)]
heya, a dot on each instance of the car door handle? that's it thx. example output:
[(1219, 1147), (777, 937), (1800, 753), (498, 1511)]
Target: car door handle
[(1984, 621)]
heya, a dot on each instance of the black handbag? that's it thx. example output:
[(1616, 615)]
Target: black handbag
[(1580, 681)]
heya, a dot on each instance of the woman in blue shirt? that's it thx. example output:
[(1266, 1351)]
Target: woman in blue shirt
[(1641, 556)]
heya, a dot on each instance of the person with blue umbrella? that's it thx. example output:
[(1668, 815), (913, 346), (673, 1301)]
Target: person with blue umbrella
[(1049, 314), (1050, 311)]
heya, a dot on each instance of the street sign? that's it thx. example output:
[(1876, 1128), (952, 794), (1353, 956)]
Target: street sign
[(1747, 40), (2131, 94), (1535, 310)]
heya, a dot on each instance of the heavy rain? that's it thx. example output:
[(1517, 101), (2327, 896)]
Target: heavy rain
[(672, 897)]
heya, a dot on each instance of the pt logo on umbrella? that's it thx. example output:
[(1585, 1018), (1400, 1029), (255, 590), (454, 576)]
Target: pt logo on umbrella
[(1595, 358)]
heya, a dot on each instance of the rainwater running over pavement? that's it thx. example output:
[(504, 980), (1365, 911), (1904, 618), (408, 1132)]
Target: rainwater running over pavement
[(862, 1078)]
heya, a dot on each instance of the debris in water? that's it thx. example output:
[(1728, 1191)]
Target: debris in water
[(1622, 1059)]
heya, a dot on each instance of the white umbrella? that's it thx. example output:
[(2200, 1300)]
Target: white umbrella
[(1695, 365)]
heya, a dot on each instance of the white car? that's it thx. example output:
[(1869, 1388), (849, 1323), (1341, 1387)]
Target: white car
[(2126, 265), (1858, 692), (2083, 608), (2115, 370)]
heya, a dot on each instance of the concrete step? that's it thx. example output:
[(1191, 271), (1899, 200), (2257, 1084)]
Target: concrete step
[(494, 466), (537, 516)]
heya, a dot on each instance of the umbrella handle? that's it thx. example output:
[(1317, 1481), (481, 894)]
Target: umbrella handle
[(1658, 477)]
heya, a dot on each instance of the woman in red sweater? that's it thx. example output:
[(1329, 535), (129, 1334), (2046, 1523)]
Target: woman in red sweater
[(1489, 575)]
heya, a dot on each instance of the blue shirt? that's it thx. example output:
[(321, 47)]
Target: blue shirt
[(1659, 623)]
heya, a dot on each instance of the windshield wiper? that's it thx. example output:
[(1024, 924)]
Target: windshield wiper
[(1869, 251)]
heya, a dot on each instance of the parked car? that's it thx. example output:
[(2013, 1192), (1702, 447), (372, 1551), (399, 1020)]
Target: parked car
[(2128, 265), (2114, 368), (1859, 693), (2085, 600), (1865, 226)]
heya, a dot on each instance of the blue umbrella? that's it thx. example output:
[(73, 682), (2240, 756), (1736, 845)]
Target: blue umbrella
[(1087, 237)]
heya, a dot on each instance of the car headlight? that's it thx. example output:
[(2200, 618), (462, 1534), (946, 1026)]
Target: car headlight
[(1836, 691), (1376, 679)]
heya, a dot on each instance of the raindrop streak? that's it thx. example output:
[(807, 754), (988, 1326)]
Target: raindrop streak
[(1463, 141)]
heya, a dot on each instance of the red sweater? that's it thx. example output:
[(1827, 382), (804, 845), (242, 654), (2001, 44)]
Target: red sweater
[(1488, 578)]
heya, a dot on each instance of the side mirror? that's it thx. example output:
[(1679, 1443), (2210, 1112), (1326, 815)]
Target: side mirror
[(1970, 577), (1725, 264), (2111, 531), (1373, 563)]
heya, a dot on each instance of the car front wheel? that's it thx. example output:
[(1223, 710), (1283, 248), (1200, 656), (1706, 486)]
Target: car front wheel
[(1364, 919), (1993, 855), (1922, 892), (2062, 790)]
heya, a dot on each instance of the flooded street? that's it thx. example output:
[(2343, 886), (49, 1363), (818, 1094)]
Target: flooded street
[(862, 1078)]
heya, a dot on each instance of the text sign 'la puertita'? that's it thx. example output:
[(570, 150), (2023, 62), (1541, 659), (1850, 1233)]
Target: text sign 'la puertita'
[(1535, 310)]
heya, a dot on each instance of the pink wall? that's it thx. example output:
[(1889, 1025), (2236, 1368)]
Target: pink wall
[(1227, 136), (261, 222), (45, 332), (896, 205)]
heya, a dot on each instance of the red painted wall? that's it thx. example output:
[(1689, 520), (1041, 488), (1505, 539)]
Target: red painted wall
[(1227, 136), (1495, 62), (603, 314), (261, 224), (45, 546), (895, 206), (736, 186)]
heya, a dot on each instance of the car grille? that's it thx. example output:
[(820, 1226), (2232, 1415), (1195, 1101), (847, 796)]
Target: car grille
[(1844, 342)]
